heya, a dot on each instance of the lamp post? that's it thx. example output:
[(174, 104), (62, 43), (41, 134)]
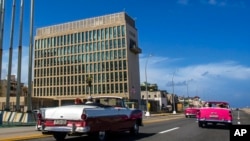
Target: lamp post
[(187, 92), (174, 112), (146, 87)]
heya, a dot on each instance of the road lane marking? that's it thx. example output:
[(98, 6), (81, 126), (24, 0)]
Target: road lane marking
[(169, 130)]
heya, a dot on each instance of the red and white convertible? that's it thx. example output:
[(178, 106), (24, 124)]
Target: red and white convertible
[(215, 112), (97, 117)]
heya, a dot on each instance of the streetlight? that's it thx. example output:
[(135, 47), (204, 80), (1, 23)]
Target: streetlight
[(147, 112), (187, 92), (174, 112)]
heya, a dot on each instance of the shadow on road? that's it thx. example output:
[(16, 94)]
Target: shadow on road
[(218, 126)]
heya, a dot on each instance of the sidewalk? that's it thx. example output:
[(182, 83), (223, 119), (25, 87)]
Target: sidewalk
[(247, 110)]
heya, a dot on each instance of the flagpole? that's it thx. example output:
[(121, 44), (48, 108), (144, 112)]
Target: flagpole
[(7, 107), (19, 58), (2, 11), (29, 100)]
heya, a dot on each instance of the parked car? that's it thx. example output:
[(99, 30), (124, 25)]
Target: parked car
[(215, 112), (191, 112), (98, 116)]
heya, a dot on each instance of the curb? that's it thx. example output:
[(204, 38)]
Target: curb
[(19, 138)]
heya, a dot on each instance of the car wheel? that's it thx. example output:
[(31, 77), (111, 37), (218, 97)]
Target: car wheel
[(102, 136), (229, 125), (59, 136), (135, 129), (200, 124), (204, 124)]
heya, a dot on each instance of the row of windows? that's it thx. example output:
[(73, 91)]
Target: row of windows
[(81, 90), (74, 59), (80, 37), (81, 79), (81, 48), (82, 68)]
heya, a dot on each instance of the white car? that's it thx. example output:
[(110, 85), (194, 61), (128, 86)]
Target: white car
[(102, 115)]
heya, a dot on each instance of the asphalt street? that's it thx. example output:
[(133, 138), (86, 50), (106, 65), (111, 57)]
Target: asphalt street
[(28, 132)]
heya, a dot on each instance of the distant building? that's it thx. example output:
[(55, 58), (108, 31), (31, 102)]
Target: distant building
[(13, 92), (103, 49), (13, 87), (157, 99)]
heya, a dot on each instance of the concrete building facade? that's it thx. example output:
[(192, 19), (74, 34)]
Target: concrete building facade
[(13, 92), (102, 49), (157, 99)]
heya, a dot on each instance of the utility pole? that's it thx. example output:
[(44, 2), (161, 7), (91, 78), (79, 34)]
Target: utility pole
[(174, 111), (187, 92), (146, 87)]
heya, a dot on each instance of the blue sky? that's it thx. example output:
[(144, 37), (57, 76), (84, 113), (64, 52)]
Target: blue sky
[(202, 43)]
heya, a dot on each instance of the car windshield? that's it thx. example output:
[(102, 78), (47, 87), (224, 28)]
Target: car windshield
[(217, 104), (109, 101)]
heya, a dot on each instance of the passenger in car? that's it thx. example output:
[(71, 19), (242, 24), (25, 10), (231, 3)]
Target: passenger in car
[(78, 101), (90, 100)]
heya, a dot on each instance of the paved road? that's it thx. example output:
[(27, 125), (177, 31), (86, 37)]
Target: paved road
[(29, 132), (160, 128)]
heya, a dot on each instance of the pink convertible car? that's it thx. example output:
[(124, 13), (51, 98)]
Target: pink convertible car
[(191, 112), (214, 112)]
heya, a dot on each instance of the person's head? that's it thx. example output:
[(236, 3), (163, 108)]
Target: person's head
[(209, 105), (97, 100), (78, 101), (90, 98)]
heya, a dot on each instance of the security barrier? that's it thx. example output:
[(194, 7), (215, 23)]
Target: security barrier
[(16, 118)]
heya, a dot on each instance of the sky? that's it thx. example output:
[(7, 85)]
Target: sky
[(200, 46)]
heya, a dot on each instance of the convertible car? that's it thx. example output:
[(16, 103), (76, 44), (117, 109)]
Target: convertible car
[(98, 116), (191, 112), (214, 112)]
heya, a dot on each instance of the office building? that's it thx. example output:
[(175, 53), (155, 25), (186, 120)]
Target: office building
[(102, 49)]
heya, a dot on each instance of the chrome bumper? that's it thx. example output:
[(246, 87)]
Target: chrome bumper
[(68, 129), (215, 120)]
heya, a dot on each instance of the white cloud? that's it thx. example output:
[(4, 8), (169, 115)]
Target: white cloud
[(212, 2), (210, 81)]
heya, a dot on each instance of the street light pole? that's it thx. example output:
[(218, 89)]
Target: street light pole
[(146, 87), (187, 92), (174, 112)]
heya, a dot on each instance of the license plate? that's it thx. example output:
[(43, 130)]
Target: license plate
[(213, 116), (60, 122)]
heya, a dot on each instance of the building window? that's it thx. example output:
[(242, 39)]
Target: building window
[(121, 88), (123, 30)]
